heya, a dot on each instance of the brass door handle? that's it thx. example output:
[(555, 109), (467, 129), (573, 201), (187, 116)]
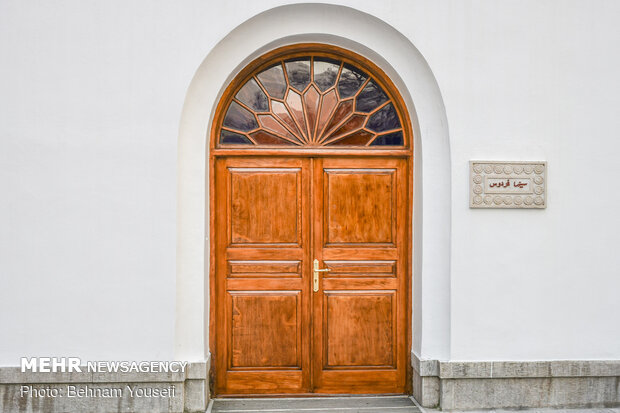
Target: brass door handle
[(315, 278)]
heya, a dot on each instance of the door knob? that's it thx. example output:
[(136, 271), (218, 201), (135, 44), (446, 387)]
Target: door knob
[(315, 278)]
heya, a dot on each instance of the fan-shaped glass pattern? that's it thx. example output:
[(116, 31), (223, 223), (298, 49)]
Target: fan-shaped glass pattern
[(311, 101)]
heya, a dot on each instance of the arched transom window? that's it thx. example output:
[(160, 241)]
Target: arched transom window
[(311, 100)]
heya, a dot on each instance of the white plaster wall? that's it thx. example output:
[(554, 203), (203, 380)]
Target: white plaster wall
[(91, 95), (536, 80), (90, 99)]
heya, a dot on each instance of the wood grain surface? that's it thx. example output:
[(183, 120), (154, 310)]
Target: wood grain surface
[(273, 216)]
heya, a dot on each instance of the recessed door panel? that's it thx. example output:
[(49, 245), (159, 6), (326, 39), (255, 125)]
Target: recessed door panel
[(257, 195), (359, 205), (346, 269), (360, 329), (264, 268), (266, 329)]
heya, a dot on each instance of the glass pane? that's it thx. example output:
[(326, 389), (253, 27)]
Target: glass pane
[(253, 96), (281, 112), (237, 117), (293, 100), (270, 123), (384, 119), (353, 123), (264, 138), (351, 79), (233, 138), (311, 105), (343, 110), (273, 81), (328, 104), (359, 138), (394, 138), (370, 98), (325, 72), (298, 72)]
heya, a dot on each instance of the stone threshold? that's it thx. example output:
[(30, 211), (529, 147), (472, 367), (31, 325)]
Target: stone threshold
[(349, 404)]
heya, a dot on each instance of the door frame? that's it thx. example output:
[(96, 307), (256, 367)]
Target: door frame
[(213, 302), (407, 153)]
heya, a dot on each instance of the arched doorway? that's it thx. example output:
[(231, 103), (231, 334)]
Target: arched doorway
[(311, 154)]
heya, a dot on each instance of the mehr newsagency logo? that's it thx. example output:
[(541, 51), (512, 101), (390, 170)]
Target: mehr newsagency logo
[(74, 364), (92, 390)]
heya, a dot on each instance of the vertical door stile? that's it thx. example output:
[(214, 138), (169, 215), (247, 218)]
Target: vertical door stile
[(306, 277), (311, 249), (317, 297)]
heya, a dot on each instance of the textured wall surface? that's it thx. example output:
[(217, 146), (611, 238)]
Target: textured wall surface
[(91, 96)]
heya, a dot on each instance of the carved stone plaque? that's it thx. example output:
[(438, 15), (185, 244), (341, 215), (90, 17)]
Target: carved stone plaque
[(503, 184)]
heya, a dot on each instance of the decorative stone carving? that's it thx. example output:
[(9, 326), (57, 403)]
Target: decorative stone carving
[(498, 184)]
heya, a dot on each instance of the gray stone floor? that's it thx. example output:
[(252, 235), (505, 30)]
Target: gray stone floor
[(395, 404), (592, 410), (388, 404)]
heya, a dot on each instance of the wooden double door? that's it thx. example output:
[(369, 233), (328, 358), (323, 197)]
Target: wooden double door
[(279, 326)]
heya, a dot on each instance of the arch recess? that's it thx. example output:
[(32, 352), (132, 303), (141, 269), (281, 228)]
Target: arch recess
[(404, 64)]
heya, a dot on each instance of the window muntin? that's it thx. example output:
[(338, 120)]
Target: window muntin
[(311, 101)]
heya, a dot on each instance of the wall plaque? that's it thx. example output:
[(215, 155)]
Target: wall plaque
[(504, 184)]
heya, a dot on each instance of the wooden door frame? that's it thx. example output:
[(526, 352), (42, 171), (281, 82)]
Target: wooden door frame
[(312, 153), (216, 152)]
